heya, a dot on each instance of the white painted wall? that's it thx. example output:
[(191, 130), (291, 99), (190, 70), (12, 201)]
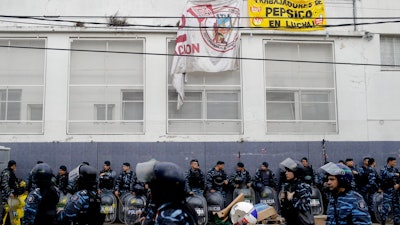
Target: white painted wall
[(366, 96)]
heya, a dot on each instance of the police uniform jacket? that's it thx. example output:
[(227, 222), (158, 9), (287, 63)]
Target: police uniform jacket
[(347, 208), (83, 208), (40, 207), (214, 179)]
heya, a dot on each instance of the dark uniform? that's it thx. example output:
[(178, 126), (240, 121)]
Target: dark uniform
[(125, 182), (215, 181), (40, 204), (83, 208), (296, 210), (266, 178), (194, 181), (240, 179), (9, 185), (106, 181), (390, 195), (62, 182), (293, 210)]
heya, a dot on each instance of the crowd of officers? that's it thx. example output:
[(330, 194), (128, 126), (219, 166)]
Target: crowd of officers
[(347, 190)]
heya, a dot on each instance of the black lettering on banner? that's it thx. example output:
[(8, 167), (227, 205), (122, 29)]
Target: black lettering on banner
[(318, 2), (274, 23)]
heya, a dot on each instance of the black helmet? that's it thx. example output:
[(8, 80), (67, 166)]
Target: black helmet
[(294, 166), (342, 173), (87, 178), (166, 180), (42, 174), (218, 180), (169, 175)]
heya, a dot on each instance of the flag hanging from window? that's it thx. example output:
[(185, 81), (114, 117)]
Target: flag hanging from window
[(207, 40)]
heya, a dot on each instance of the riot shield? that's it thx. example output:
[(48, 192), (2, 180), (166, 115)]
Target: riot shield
[(199, 204), (121, 206), (62, 201), (249, 195), (108, 206), (215, 203), (268, 196), (316, 203), (377, 207), (134, 206)]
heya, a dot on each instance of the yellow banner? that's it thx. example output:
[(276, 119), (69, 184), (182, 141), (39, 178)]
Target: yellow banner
[(293, 15)]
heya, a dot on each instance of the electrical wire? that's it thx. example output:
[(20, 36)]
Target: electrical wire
[(127, 25), (198, 56)]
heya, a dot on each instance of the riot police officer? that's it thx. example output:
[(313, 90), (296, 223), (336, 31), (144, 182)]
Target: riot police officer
[(216, 179), (9, 187), (40, 207), (265, 177), (295, 196), (346, 206), (167, 184), (241, 177), (126, 181), (106, 177), (83, 207), (62, 179), (389, 177), (194, 179)]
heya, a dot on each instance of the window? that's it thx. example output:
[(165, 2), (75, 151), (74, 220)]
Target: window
[(106, 89), (104, 111), (35, 111), (212, 105), (132, 105), (300, 97), (10, 104), (21, 85), (390, 52)]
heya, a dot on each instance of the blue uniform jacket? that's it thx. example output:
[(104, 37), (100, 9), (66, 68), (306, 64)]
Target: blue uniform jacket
[(348, 208)]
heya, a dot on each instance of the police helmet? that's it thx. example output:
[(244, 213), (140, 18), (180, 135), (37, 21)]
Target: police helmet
[(238, 180), (258, 186), (218, 180), (87, 177), (294, 166), (42, 174), (169, 175), (166, 180), (341, 172)]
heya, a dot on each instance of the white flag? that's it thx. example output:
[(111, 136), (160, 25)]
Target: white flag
[(207, 40)]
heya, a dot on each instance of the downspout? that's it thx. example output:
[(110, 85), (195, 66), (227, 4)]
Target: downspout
[(354, 15)]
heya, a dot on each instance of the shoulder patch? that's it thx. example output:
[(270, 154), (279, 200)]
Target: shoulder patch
[(361, 204), (30, 199)]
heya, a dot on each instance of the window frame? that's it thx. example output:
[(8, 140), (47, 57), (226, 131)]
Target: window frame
[(204, 89), (297, 99), (394, 46), (24, 125), (134, 86)]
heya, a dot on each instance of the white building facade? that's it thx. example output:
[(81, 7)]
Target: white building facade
[(89, 81)]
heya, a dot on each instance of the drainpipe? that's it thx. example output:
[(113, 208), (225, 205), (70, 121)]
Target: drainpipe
[(354, 15)]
